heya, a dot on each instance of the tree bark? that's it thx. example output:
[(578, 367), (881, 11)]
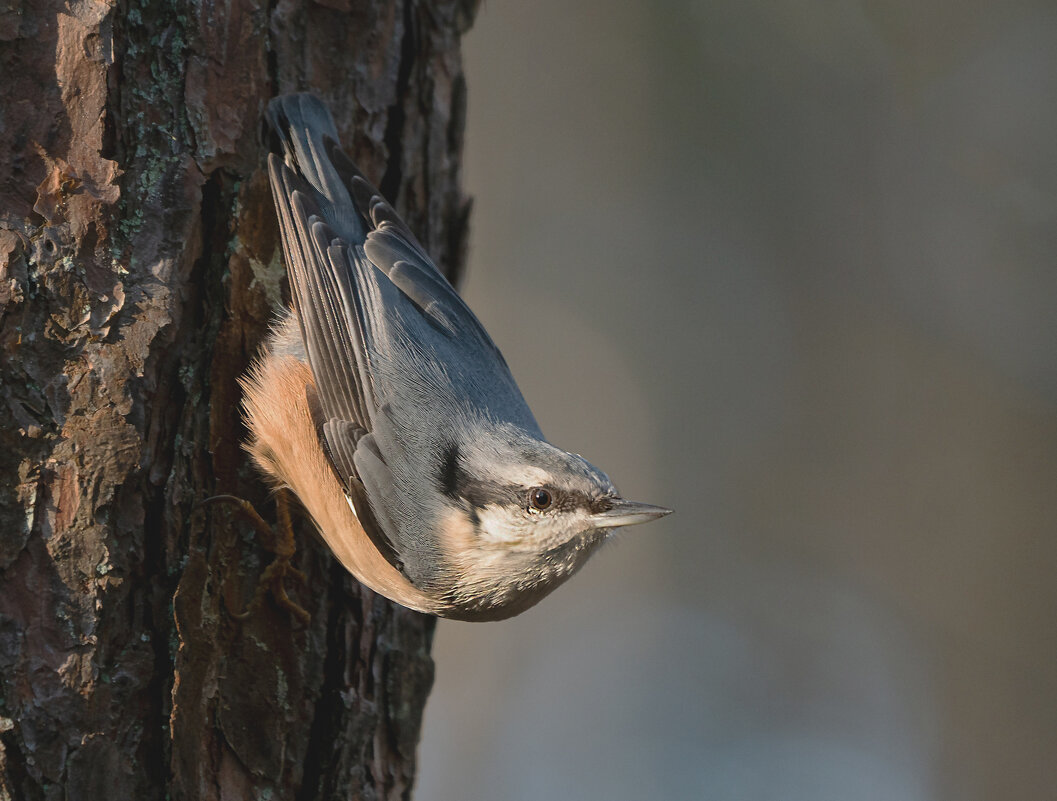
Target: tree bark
[(139, 267)]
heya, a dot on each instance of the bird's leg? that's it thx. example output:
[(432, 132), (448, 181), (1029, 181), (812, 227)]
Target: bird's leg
[(280, 543)]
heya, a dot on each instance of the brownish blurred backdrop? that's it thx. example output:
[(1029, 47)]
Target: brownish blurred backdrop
[(789, 268)]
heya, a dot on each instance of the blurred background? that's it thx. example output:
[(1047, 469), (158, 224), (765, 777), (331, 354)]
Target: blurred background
[(789, 268)]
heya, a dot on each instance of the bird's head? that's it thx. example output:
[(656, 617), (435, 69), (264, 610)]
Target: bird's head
[(522, 515)]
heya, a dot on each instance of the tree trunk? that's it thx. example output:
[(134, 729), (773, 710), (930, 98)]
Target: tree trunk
[(139, 267)]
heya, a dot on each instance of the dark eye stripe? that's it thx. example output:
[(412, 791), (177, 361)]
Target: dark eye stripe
[(598, 505), (456, 483), (450, 473)]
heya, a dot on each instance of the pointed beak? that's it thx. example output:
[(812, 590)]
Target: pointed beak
[(627, 513)]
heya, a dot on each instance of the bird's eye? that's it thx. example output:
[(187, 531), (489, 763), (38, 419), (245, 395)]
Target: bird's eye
[(539, 499)]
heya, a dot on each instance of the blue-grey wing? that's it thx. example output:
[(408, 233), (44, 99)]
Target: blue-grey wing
[(324, 296), (382, 327), (476, 370)]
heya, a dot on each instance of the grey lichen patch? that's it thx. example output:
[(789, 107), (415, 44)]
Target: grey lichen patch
[(268, 277), (281, 689), (157, 46)]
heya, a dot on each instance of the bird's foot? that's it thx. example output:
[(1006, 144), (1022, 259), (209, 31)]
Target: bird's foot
[(281, 544)]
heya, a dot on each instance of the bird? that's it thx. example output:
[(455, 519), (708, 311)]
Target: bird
[(383, 405)]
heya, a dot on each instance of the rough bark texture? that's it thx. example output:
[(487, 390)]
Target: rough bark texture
[(139, 264)]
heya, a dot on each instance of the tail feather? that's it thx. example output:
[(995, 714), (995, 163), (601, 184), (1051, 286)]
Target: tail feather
[(306, 133)]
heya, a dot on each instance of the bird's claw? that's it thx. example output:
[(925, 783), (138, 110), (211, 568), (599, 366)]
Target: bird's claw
[(283, 545)]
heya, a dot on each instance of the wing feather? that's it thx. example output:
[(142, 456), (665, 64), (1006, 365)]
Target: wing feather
[(379, 321)]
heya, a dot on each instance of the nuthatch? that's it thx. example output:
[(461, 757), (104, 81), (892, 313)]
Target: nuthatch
[(386, 408)]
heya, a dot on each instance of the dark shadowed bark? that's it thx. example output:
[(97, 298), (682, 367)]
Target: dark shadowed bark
[(139, 264)]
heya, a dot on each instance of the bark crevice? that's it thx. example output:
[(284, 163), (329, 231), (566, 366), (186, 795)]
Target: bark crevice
[(394, 129)]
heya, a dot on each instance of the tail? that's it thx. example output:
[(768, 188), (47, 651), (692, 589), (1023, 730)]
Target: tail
[(307, 138)]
